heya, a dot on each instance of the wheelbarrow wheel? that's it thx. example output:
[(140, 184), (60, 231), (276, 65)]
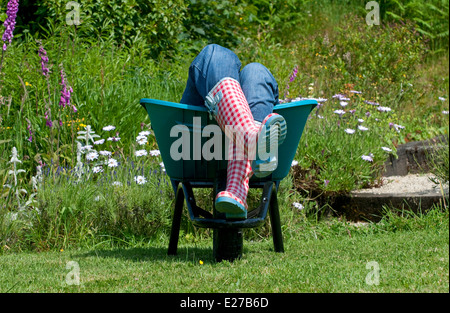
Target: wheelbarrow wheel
[(227, 244)]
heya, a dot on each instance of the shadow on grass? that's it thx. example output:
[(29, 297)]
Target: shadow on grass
[(185, 254)]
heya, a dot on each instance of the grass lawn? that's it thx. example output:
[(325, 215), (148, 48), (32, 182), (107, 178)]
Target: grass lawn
[(413, 259)]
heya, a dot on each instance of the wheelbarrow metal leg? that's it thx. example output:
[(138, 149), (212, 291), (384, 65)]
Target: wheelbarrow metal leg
[(176, 222), (275, 222)]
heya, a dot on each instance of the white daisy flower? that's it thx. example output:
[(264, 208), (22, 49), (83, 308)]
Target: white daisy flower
[(155, 152), (386, 149), (145, 133), (368, 158), (139, 153), (99, 142), (384, 109), (350, 131), (112, 163), (140, 180), (142, 141), (109, 128), (97, 169), (294, 163), (91, 156), (298, 206), (362, 128), (105, 153)]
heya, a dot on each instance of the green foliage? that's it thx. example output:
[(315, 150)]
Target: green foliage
[(430, 18), (213, 22)]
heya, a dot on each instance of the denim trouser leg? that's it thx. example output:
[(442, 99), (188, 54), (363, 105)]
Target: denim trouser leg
[(214, 63), (260, 90)]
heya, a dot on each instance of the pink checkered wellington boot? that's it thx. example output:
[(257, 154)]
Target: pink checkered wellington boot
[(250, 140)]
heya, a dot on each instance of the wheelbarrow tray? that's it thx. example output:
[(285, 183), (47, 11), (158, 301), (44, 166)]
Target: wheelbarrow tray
[(164, 116)]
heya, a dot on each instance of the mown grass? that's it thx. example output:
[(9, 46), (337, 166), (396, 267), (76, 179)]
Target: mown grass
[(411, 253)]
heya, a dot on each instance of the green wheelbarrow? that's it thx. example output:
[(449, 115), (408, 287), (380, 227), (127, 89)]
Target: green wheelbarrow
[(186, 135)]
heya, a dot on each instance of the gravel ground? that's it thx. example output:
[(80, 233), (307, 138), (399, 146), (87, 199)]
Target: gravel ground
[(412, 183)]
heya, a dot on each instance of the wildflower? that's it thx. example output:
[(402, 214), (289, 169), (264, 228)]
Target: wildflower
[(396, 127), (140, 180), (355, 91), (30, 139), (112, 163), (343, 103), (298, 206), (350, 131), (139, 153), (48, 120), (99, 142), (44, 61), (294, 163), (91, 156), (117, 183), (362, 128), (294, 74), (320, 100), (201, 262), (65, 92), (371, 102), (97, 169), (442, 98), (141, 140), (155, 152), (341, 97), (163, 168), (368, 114), (384, 109), (109, 128), (445, 112), (320, 116), (144, 133), (114, 139), (10, 22), (340, 112), (326, 182), (105, 153), (368, 158), (386, 149), (86, 147), (360, 120)]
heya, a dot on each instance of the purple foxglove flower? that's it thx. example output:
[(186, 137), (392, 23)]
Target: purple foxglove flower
[(30, 139), (10, 22), (48, 120), (44, 61), (65, 92), (294, 74)]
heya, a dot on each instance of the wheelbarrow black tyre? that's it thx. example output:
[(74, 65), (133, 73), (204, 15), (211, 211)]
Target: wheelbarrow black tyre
[(227, 244)]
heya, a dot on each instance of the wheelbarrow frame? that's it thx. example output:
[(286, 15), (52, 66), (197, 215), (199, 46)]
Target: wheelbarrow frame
[(205, 219), (190, 174)]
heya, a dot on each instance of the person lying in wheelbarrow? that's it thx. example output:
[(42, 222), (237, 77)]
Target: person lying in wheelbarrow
[(243, 100)]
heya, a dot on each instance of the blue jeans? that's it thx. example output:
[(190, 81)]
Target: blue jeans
[(214, 63)]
